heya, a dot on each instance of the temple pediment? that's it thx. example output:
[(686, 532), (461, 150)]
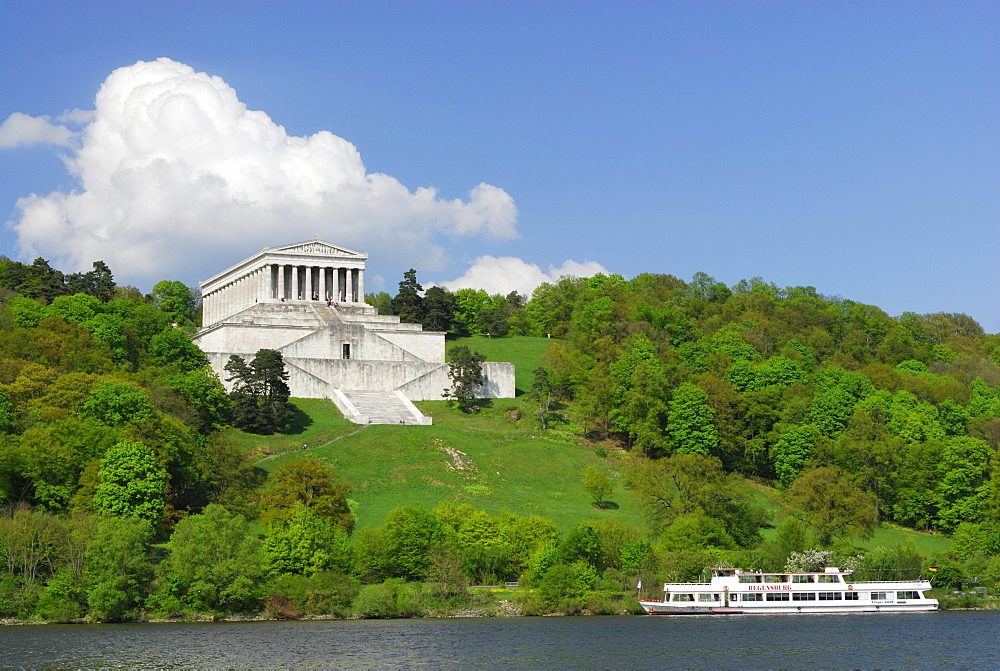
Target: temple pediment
[(317, 247)]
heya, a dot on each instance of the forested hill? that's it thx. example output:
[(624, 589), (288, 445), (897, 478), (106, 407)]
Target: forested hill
[(773, 381), (115, 435)]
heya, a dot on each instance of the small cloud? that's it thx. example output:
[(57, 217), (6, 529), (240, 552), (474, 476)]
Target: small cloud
[(22, 130), (501, 275), (77, 117)]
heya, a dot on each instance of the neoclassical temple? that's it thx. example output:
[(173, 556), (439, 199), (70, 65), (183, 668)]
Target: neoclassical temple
[(313, 270), (306, 300)]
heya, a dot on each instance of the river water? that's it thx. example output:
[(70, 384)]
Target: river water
[(949, 639)]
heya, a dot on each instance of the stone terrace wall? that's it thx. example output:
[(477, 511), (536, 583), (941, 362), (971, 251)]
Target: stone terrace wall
[(418, 380)]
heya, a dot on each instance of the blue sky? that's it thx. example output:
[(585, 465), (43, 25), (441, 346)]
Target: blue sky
[(850, 146)]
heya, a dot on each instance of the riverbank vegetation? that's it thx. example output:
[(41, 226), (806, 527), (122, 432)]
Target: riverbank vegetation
[(660, 427)]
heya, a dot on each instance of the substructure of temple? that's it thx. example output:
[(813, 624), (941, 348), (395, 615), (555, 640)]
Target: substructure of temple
[(307, 301)]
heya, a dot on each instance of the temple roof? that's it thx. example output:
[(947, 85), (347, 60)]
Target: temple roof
[(317, 248)]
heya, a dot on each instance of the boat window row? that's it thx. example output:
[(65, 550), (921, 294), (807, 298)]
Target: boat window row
[(699, 597), (815, 596), (772, 578)]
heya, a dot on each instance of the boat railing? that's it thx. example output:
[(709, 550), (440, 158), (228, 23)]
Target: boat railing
[(687, 584), (888, 582)]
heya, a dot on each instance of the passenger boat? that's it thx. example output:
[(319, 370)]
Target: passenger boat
[(733, 591)]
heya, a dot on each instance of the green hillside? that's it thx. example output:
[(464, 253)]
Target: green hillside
[(487, 460), (493, 460)]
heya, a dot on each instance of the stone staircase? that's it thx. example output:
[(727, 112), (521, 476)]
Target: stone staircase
[(378, 407)]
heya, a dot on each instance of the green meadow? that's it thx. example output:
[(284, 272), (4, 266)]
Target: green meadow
[(488, 460)]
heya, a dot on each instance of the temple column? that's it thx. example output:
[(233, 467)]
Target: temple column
[(349, 276), (307, 293), (336, 284), (323, 292), (281, 282), (361, 285)]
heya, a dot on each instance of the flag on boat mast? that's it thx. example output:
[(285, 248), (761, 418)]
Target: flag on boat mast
[(638, 585)]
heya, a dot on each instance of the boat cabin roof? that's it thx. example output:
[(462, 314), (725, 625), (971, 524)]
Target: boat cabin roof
[(732, 572)]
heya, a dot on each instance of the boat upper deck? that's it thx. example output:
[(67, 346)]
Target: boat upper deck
[(734, 579)]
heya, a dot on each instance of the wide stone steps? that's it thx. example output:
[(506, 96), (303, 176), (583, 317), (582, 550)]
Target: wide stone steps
[(378, 407)]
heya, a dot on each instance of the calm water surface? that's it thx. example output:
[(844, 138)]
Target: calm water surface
[(923, 640)]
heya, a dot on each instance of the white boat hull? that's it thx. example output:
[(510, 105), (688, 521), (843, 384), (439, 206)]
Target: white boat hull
[(661, 608)]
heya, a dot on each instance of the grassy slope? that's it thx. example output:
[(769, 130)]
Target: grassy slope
[(889, 535), (500, 466), (510, 467), (524, 353), (318, 421)]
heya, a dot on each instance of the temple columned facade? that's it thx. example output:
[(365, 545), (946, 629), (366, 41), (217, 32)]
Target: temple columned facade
[(307, 301), (312, 270)]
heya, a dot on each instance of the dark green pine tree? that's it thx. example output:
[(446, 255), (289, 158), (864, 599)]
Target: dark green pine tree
[(408, 303), (465, 369), (439, 310), (260, 392), (272, 379)]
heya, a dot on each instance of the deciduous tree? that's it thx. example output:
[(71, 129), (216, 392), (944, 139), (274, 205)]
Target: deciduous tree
[(313, 484), (689, 422), (682, 484), (173, 347), (792, 451), (131, 484), (598, 485), (304, 544), (118, 568), (825, 499), (216, 563), (115, 403), (175, 299)]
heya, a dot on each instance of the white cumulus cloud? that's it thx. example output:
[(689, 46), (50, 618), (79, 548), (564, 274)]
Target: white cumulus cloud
[(20, 130), (177, 178), (501, 275)]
